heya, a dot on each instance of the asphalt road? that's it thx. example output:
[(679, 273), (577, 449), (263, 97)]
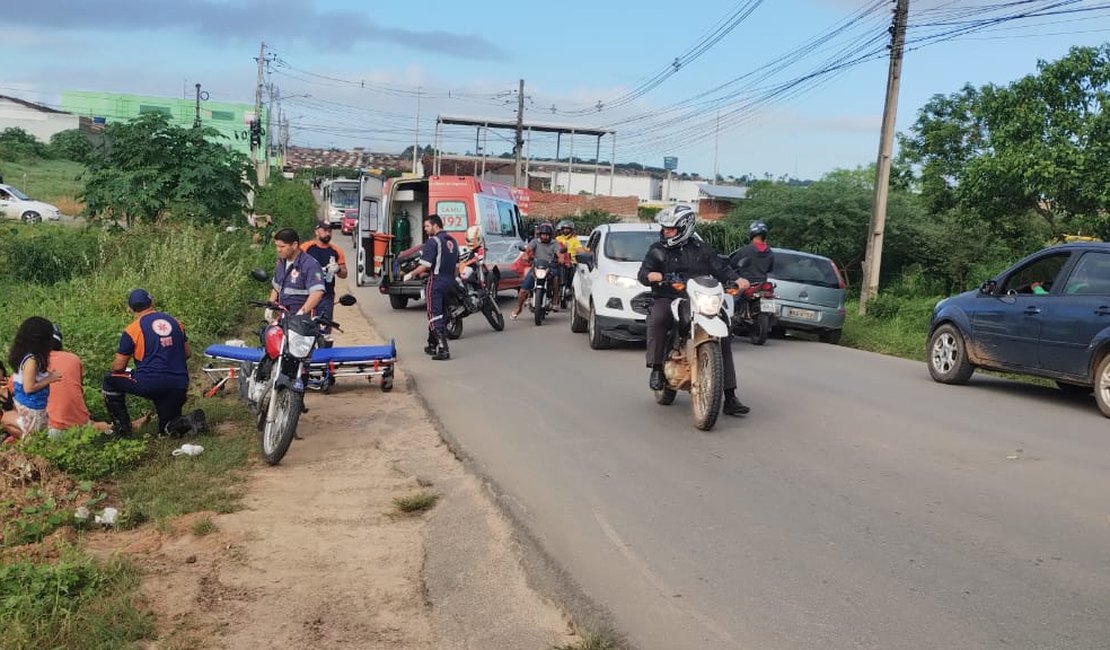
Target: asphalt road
[(860, 505)]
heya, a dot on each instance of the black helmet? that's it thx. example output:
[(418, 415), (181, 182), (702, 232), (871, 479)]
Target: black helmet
[(757, 228), (678, 216), (545, 227), (565, 224)]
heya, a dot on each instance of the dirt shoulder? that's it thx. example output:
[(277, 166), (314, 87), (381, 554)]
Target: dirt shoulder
[(320, 557)]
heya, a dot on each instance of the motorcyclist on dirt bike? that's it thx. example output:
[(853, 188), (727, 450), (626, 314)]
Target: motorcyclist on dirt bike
[(678, 252), (755, 261), (544, 248)]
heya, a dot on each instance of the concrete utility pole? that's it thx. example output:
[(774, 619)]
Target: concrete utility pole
[(873, 261), (518, 146), (255, 140), (196, 114)]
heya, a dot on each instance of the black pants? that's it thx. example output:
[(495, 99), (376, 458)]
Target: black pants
[(168, 396), (659, 320)]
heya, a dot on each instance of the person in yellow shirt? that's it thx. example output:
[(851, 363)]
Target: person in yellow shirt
[(569, 240)]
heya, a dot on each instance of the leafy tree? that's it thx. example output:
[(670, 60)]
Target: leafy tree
[(71, 144), (1040, 145), (148, 170), (15, 144)]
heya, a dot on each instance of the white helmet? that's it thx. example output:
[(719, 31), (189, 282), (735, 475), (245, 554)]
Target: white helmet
[(679, 216), (474, 233)]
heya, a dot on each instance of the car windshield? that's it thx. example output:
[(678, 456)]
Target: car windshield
[(629, 246), (19, 195), (803, 269)]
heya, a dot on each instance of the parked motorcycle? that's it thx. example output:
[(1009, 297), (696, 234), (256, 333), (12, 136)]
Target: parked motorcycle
[(274, 387), (755, 313), (694, 360), (473, 296)]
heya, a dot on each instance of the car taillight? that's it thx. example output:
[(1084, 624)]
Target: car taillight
[(839, 278)]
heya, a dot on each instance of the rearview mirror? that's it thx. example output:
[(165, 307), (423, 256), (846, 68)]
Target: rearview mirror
[(260, 274), (585, 258), (347, 300)]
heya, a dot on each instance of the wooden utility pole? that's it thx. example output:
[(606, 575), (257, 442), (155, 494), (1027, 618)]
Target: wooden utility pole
[(256, 140), (518, 147), (873, 261)]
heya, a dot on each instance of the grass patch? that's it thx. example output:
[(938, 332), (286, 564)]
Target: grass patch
[(592, 641), (893, 325), (419, 502), (53, 181), (77, 603), (166, 486), (203, 527)]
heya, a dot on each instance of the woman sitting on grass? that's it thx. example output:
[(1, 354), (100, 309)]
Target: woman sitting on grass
[(30, 353)]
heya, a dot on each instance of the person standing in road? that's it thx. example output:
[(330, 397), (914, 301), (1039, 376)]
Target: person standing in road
[(334, 264), (439, 259), (298, 279), (679, 252)]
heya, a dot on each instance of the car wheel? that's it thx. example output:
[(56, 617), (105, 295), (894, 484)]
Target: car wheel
[(831, 336), (948, 362), (31, 216), (1102, 385), (578, 324), (398, 302), (598, 341)]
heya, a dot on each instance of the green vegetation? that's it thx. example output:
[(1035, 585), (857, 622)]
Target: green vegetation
[(290, 203), (418, 502), (76, 603), (84, 453)]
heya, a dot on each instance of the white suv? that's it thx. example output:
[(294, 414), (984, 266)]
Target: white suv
[(17, 205), (609, 302)]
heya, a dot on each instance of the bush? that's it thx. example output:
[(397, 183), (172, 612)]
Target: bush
[(583, 223), (71, 145), (85, 453), (291, 204), (17, 144), (647, 212), (47, 256)]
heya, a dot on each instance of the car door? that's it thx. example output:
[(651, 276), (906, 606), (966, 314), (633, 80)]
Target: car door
[(5, 204), (1075, 317), (586, 274), (1006, 325)]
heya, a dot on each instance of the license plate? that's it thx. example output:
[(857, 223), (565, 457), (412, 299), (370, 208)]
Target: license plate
[(769, 306), (804, 314)]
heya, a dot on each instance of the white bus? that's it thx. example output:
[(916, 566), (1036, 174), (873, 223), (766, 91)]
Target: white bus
[(340, 196)]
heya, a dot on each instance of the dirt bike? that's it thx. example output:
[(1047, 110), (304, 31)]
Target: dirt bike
[(755, 312), (694, 360), (473, 295), (543, 292)]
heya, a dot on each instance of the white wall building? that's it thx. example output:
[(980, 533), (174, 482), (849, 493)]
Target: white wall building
[(646, 188), (36, 119)]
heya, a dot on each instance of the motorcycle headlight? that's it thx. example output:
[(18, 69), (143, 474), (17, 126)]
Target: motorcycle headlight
[(708, 304), (541, 274), (622, 281), (300, 345)]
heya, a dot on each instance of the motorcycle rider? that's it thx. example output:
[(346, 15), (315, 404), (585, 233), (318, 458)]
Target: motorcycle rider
[(543, 248), (438, 260), (755, 261), (569, 240), (679, 252)]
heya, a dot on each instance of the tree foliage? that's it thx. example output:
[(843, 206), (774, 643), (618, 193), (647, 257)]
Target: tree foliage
[(17, 144), (71, 144), (149, 169), (1039, 145)]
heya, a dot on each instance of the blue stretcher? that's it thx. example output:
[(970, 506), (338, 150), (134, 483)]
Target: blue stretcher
[(326, 365)]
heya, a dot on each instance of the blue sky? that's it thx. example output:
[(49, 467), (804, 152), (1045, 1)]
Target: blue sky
[(362, 64)]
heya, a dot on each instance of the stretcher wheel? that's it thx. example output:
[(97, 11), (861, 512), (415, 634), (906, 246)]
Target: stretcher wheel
[(387, 384)]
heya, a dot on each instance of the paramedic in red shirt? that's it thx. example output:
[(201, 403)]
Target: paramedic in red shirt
[(157, 343)]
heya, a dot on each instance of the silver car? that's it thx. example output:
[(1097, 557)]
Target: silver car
[(810, 294)]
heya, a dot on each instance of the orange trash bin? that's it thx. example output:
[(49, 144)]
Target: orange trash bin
[(381, 247)]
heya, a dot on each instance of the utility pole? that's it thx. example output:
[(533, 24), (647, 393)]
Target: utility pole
[(196, 114), (416, 142), (270, 140), (518, 145), (873, 261), (256, 125)]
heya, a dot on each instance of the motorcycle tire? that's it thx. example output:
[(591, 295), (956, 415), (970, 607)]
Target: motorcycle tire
[(454, 327), (665, 396), (541, 307), (278, 434), (760, 329), (706, 393), (492, 311)]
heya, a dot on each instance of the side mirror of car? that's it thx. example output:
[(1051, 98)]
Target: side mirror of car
[(347, 300), (988, 287), (585, 258), (260, 274)]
